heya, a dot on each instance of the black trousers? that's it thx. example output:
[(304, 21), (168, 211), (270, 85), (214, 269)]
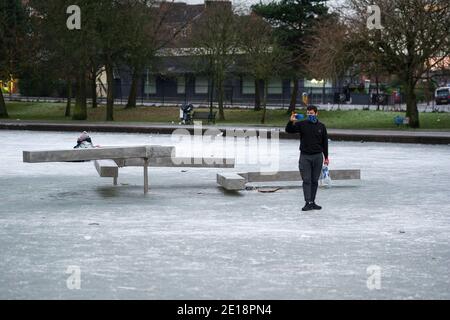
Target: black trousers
[(310, 166)]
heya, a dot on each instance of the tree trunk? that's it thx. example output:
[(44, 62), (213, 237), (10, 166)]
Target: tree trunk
[(3, 111), (264, 104), (378, 92), (428, 89), (294, 95), (133, 90), (220, 93), (80, 110), (94, 87), (257, 95), (110, 93), (69, 98), (411, 105), (211, 95)]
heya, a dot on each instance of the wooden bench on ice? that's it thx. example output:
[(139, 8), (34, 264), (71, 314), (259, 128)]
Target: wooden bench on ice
[(237, 181), (108, 160)]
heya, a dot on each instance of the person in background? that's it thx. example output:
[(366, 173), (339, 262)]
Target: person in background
[(313, 153), (305, 99), (84, 141)]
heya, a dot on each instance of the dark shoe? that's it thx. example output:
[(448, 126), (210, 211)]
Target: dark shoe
[(308, 207), (315, 206)]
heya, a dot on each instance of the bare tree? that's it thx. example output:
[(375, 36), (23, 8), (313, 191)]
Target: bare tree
[(151, 28), (329, 51), (144, 38), (292, 21), (262, 56), (215, 37), (332, 54), (412, 39)]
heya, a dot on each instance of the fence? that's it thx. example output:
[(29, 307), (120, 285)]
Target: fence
[(239, 96)]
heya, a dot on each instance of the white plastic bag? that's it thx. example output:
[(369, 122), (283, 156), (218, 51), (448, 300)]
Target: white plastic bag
[(325, 179)]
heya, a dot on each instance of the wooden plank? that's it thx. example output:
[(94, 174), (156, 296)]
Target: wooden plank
[(237, 181), (343, 174), (156, 151), (83, 154), (278, 176), (179, 162), (97, 153), (203, 162)]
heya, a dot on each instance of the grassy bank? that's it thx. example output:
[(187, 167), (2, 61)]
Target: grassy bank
[(354, 119)]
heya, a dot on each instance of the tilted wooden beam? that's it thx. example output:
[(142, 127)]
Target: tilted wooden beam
[(97, 154)]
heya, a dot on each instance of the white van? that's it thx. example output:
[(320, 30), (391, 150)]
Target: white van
[(442, 95)]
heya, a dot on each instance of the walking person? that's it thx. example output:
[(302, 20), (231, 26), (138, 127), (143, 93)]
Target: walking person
[(313, 153)]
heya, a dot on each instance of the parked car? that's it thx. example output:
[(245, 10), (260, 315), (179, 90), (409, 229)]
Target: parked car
[(442, 95)]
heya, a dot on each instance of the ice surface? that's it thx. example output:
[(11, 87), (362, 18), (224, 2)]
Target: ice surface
[(189, 239)]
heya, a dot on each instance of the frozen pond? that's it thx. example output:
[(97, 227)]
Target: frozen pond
[(188, 239)]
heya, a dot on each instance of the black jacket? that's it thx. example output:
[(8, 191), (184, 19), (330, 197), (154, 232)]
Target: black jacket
[(313, 136)]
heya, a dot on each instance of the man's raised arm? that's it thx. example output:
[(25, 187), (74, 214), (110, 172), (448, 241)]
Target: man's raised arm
[(292, 126)]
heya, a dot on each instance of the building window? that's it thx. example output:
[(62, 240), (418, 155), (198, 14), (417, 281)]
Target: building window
[(201, 85), (275, 86), (181, 85), (317, 83), (150, 85), (248, 85), (316, 86)]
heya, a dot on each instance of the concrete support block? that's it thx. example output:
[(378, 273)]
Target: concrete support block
[(106, 168), (231, 181)]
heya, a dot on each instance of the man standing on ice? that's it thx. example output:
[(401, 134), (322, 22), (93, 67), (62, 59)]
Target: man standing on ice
[(313, 152)]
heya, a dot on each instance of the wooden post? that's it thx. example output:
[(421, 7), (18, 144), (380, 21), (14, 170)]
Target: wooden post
[(115, 181), (145, 175)]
